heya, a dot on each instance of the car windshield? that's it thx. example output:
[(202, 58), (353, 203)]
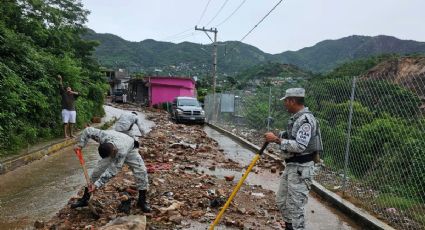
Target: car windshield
[(188, 102)]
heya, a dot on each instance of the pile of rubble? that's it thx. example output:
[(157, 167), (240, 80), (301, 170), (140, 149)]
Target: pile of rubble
[(182, 195)]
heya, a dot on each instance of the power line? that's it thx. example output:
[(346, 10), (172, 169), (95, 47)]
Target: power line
[(183, 37), (237, 8), (176, 35), (186, 38), (219, 11), (203, 13), (256, 25), (246, 35)]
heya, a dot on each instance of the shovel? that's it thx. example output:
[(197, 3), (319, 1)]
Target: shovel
[(238, 186), (92, 206), (79, 154)]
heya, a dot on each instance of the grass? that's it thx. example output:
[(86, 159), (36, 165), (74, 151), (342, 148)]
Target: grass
[(390, 200), (108, 124)]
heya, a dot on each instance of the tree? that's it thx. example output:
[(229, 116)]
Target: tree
[(39, 40)]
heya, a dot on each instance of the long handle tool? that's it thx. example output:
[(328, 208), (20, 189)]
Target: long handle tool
[(238, 186), (83, 164)]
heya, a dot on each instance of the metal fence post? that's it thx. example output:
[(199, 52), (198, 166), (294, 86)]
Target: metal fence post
[(269, 115), (347, 146)]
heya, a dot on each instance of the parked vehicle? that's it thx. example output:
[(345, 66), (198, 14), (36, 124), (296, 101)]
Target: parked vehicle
[(187, 109), (117, 95)]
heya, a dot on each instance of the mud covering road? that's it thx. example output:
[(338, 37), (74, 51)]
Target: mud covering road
[(181, 194)]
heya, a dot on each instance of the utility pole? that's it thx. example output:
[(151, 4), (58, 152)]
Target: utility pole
[(214, 69)]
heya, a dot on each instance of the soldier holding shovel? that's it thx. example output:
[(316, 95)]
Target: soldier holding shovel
[(115, 149), (299, 144)]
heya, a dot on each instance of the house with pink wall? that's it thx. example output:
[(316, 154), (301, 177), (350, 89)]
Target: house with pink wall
[(165, 89), (153, 90)]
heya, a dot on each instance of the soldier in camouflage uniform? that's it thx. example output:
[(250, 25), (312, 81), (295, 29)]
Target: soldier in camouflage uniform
[(125, 124), (298, 144), (115, 149)]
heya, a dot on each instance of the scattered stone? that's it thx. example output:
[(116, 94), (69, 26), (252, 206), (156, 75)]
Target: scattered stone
[(196, 214), (229, 178), (38, 224), (258, 194), (176, 205), (126, 223), (177, 219), (242, 210), (176, 193), (391, 210), (337, 187)]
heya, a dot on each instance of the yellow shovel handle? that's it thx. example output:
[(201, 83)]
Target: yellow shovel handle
[(238, 186)]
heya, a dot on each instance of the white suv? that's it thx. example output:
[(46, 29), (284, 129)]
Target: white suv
[(187, 109)]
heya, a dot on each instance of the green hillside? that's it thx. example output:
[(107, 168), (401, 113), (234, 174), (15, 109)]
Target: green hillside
[(326, 55), (234, 57), (180, 58)]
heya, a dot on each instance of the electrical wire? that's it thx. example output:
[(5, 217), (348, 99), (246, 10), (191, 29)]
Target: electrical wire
[(246, 35), (256, 25), (218, 12), (171, 37), (237, 8), (203, 13)]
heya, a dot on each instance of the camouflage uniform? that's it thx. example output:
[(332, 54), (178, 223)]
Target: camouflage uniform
[(109, 167), (125, 124), (296, 178)]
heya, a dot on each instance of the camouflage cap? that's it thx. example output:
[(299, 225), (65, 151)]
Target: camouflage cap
[(294, 92)]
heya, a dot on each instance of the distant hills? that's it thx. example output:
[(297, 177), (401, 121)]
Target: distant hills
[(328, 54), (234, 57)]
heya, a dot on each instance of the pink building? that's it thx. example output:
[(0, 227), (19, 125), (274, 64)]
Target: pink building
[(165, 89)]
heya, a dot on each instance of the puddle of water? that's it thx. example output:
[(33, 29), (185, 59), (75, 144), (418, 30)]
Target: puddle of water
[(232, 150)]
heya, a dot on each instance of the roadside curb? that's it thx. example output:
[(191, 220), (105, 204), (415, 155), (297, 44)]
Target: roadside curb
[(350, 209), (21, 160), (17, 161), (358, 214)]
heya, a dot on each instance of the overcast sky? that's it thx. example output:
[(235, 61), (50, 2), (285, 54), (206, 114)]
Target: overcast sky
[(293, 25)]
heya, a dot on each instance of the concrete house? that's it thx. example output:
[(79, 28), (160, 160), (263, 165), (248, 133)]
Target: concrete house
[(154, 90)]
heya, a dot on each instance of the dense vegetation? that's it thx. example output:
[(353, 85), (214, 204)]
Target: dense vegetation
[(387, 138), (233, 57), (38, 41), (181, 59), (387, 132), (329, 54)]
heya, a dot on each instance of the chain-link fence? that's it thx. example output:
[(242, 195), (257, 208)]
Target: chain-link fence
[(373, 130)]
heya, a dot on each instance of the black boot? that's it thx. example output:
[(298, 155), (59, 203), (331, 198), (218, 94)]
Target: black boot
[(288, 226), (83, 201), (141, 203), (125, 206)]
